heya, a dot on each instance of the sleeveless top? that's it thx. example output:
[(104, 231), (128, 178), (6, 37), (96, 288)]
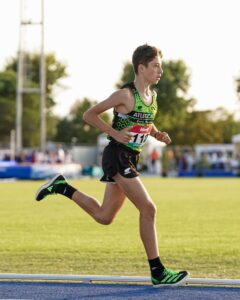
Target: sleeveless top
[(140, 119)]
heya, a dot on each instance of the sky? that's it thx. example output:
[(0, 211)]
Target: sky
[(95, 38)]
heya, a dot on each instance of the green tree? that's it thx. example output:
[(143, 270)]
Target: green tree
[(55, 71), (31, 107), (209, 127), (7, 104), (127, 75), (74, 126), (200, 129), (226, 124)]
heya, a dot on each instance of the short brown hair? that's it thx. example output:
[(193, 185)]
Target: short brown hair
[(143, 55)]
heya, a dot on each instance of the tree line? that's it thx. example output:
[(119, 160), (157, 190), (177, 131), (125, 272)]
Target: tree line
[(177, 114)]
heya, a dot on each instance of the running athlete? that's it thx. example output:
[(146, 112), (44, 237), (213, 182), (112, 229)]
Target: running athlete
[(134, 108)]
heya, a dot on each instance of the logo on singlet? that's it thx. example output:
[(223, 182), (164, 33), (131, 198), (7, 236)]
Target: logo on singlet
[(142, 115), (127, 171)]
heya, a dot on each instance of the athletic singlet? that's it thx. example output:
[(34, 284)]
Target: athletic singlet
[(140, 119)]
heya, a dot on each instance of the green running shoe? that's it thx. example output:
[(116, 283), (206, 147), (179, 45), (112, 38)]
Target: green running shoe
[(50, 187), (170, 278)]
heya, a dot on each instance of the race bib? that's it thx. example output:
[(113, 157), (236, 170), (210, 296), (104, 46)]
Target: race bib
[(140, 134)]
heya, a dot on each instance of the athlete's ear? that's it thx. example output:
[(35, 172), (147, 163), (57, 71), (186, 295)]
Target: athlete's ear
[(141, 68)]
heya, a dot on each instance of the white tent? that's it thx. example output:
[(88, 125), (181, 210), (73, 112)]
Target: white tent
[(236, 139)]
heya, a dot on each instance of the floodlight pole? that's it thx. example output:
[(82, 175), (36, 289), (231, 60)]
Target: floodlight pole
[(21, 88), (42, 86)]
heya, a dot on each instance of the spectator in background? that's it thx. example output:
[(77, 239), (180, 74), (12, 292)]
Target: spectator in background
[(202, 164), (154, 159), (165, 163), (60, 154), (190, 160)]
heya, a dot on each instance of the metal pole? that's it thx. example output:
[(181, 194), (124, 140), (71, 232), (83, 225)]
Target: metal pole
[(42, 86), (19, 90), (12, 144)]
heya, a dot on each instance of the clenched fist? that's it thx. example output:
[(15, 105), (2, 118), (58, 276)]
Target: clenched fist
[(163, 137)]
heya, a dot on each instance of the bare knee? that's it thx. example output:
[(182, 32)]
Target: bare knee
[(104, 220), (149, 210), (107, 221)]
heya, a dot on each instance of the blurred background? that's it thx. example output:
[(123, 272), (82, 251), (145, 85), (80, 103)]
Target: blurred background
[(57, 59)]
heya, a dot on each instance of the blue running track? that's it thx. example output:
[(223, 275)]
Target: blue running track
[(96, 291)]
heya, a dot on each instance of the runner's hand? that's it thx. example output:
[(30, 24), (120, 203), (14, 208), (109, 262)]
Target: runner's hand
[(123, 136), (163, 137)]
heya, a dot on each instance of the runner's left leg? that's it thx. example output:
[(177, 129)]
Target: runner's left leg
[(134, 189)]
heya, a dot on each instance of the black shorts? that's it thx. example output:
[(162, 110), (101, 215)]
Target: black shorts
[(118, 159)]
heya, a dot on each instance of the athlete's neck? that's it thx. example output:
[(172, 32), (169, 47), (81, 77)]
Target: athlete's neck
[(144, 90)]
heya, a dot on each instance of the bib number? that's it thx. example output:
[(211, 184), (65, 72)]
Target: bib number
[(140, 134), (139, 138)]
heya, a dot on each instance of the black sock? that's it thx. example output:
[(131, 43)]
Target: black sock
[(156, 267), (65, 190)]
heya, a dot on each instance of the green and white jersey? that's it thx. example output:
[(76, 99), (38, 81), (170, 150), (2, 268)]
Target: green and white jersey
[(140, 119)]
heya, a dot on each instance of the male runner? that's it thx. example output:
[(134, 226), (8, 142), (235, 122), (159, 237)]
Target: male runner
[(134, 108)]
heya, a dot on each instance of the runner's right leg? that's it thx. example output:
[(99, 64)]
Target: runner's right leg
[(103, 213)]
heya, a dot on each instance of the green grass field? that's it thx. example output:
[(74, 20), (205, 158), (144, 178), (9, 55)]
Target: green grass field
[(198, 224)]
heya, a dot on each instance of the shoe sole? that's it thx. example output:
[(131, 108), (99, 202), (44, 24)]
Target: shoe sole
[(46, 185), (179, 283)]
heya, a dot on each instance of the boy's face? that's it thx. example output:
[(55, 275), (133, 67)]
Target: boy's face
[(153, 72)]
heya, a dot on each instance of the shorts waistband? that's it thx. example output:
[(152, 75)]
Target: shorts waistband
[(115, 143)]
